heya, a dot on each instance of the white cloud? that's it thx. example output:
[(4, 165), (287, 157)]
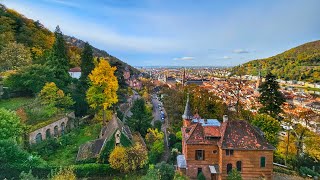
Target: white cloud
[(226, 57), (240, 51), (185, 58)]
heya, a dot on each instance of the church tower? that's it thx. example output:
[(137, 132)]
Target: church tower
[(259, 81), (187, 115)]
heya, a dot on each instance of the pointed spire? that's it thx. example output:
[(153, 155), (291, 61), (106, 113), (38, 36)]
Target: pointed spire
[(187, 110)]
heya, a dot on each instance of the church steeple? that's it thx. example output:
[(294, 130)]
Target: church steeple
[(187, 115), (259, 81)]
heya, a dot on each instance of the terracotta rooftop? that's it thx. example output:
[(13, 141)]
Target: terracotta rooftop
[(197, 134), (212, 131), (236, 134), (240, 134)]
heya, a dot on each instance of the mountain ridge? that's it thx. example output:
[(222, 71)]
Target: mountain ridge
[(35, 36), (299, 63)]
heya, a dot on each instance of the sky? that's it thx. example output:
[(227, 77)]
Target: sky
[(184, 32)]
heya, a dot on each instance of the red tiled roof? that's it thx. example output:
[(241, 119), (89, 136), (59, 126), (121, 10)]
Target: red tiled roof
[(212, 131), (196, 133), (241, 135), (75, 69)]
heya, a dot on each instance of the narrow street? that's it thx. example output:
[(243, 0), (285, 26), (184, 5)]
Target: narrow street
[(130, 100), (156, 116)]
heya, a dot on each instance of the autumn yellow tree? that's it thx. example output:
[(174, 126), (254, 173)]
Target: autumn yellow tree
[(51, 95), (118, 159), (138, 156), (102, 93), (152, 136), (128, 159)]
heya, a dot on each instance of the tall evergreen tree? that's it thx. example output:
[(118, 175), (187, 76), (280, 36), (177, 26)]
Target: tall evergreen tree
[(87, 64), (58, 60), (141, 117), (270, 96), (79, 95)]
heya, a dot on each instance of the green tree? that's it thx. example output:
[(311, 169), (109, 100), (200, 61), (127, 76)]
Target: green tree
[(58, 60), (270, 127), (270, 96), (10, 125), (206, 103), (13, 56), (234, 175), (152, 136), (141, 118), (152, 174), (30, 79), (166, 171), (87, 64), (102, 93), (12, 153)]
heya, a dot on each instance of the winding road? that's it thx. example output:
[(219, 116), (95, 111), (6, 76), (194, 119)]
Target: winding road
[(156, 117)]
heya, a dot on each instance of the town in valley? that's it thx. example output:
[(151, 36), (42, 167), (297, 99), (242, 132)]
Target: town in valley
[(158, 90)]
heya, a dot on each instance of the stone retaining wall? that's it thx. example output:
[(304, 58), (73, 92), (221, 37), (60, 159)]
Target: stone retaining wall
[(54, 129)]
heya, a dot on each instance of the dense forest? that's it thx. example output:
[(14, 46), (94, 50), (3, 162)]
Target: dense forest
[(299, 63), (17, 31)]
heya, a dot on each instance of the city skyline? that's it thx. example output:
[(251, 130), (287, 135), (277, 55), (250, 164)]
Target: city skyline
[(154, 33)]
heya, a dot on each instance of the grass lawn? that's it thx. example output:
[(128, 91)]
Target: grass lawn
[(15, 103), (67, 155)]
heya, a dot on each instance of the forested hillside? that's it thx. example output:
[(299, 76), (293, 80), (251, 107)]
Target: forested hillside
[(299, 63), (35, 41)]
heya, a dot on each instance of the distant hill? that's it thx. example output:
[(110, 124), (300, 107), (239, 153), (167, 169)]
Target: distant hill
[(72, 41), (299, 63), (32, 34)]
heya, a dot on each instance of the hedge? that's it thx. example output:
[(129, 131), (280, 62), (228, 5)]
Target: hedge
[(80, 170), (13, 171), (87, 170)]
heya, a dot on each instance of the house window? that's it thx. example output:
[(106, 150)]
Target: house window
[(229, 152), (262, 161), (214, 151), (239, 164), (199, 154), (229, 168)]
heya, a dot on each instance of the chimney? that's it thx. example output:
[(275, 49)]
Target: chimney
[(225, 118)]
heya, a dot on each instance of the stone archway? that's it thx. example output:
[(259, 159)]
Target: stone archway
[(56, 131), (38, 137), (48, 134), (63, 126)]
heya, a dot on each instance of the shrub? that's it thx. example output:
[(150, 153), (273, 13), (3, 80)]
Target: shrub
[(178, 146), (307, 171), (13, 171), (172, 139), (166, 171), (63, 174), (234, 175), (201, 176)]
